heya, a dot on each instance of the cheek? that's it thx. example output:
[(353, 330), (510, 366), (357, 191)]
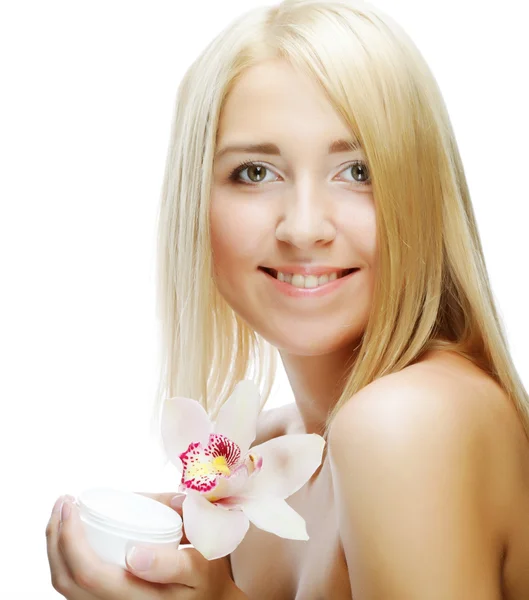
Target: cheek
[(359, 226), (221, 244), (237, 235)]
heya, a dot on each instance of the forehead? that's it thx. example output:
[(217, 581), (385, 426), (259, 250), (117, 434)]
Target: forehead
[(273, 99)]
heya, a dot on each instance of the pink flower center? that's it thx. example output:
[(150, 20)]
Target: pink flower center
[(203, 466)]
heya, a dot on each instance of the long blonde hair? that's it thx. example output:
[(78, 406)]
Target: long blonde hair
[(432, 290)]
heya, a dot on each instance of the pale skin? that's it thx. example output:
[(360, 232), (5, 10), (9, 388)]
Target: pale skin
[(424, 493)]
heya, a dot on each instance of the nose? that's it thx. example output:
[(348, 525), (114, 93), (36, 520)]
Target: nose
[(305, 221)]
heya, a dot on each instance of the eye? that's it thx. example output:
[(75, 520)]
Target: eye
[(257, 171), (359, 169)]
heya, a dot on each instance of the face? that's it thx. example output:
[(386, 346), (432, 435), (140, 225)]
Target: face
[(294, 209)]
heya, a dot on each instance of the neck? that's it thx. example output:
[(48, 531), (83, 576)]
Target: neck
[(317, 382)]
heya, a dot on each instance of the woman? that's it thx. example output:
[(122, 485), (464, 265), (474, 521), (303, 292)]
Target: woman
[(315, 204)]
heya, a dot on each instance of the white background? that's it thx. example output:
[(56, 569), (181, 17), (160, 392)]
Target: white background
[(86, 104)]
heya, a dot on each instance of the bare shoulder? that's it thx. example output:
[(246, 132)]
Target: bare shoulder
[(445, 412), (447, 388), (432, 461), (438, 397)]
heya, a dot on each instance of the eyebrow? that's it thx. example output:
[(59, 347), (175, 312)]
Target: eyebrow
[(335, 147)]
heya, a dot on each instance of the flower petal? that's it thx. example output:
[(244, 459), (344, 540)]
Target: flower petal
[(214, 531), (288, 463), (237, 419), (183, 421), (276, 516), (232, 485)]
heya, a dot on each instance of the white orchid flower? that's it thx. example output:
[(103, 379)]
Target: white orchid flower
[(226, 484)]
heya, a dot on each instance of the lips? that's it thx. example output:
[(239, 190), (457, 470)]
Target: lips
[(341, 273)]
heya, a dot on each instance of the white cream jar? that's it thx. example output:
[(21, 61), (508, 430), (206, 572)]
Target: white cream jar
[(112, 518)]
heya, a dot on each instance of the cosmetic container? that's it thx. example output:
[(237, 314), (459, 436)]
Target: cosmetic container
[(113, 518)]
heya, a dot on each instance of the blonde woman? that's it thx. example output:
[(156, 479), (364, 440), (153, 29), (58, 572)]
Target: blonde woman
[(315, 206)]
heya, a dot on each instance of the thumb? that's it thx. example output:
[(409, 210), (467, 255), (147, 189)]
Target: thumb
[(163, 565)]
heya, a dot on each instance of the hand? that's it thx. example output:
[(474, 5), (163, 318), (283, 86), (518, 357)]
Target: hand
[(175, 574)]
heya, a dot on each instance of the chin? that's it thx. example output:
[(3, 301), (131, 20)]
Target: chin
[(299, 334), (313, 343)]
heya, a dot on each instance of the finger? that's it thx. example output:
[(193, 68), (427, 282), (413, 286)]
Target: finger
[(183, 566), (166, 498), (61, 579), (104, 580)]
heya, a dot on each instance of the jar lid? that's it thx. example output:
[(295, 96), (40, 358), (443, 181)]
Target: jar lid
[(128, 511)]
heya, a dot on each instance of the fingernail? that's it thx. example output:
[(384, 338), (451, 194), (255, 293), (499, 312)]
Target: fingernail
[(65, 510), (177, 500), (140, 558)]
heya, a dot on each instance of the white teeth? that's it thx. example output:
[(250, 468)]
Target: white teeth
[(298, 281), (309, 281), (284, 276)]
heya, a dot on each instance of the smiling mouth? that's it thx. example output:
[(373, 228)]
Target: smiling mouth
[(309, 281), (339, 274)]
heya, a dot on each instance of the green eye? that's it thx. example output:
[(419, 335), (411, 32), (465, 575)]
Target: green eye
[(360, 168), (258, 171)]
